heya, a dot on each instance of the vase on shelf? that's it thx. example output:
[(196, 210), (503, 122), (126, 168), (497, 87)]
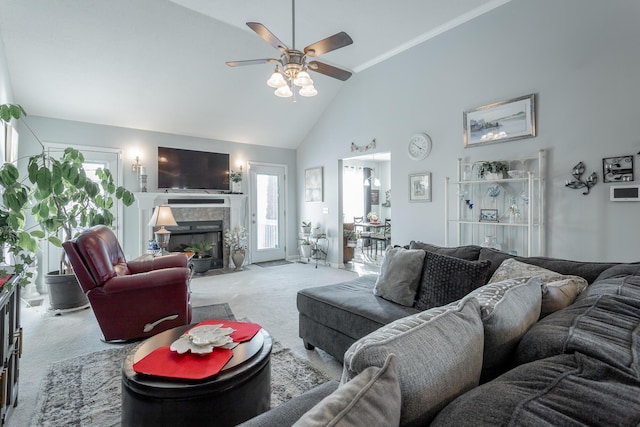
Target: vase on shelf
[(238, 258), (491, 242)]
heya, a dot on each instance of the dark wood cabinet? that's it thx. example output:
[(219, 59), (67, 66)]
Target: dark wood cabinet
[(11, 348)]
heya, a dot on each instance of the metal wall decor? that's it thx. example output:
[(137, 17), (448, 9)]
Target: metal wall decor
[(617, 169), (362, 148), (577, 183)]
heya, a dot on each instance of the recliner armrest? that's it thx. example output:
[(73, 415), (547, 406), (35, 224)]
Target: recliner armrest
[(157, 263), (176, 276)]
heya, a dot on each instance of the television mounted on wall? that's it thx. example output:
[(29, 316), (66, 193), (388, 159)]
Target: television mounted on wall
[(181, 169)]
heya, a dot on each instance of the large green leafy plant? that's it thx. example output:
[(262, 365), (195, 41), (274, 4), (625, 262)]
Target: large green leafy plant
[(59, 196)]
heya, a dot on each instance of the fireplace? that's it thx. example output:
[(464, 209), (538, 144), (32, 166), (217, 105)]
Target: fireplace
[(198, 231)]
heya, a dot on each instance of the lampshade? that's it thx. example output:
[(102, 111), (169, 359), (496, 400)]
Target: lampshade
[(162, 216), (303, 79), (308, 91), (276, 80), (283, 92)]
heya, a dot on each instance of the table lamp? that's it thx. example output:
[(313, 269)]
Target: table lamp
[(162, 216)]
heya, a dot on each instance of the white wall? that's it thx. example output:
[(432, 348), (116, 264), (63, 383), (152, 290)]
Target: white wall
[(6, 94), (145, 143), (581, 59)]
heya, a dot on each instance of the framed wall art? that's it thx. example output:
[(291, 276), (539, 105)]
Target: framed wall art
[(313, 185), (500, 122), (488, 215), (420, 187), (617, 169)]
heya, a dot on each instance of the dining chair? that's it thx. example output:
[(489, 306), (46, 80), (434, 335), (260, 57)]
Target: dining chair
[(364, 234), (382, 238)]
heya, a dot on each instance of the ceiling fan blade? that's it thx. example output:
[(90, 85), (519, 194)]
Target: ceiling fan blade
[(333, 42), (251, 62), (329, 70), (267, 35)]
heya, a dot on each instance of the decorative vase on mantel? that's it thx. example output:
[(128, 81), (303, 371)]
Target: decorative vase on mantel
[(238, 258)]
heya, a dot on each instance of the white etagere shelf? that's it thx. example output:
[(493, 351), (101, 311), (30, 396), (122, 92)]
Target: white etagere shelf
[(518, 200)]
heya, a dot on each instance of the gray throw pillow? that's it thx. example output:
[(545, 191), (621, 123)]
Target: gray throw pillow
[(400, 275), (446, 279), (439, 353), (372, 398), (509, 308)]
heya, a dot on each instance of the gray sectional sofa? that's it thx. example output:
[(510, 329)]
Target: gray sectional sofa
[(481, 338)]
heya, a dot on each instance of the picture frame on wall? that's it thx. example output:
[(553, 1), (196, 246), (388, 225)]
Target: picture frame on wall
[(489, 215), (420, 187), (375, 197), (617, 169), (500, 122), (313, 185)]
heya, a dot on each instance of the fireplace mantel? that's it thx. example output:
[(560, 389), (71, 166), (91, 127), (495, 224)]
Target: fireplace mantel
[(147, 201)]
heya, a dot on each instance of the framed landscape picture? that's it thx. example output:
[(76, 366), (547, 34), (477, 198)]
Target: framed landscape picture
[(500, 122), (313, 191), (420, 187)]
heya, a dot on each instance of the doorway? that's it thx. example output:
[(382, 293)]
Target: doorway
[(366, 191), (267, 202)]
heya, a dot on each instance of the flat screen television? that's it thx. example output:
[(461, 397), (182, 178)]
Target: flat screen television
[(192, 170)]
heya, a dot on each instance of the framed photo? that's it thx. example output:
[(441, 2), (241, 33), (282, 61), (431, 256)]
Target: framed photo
[(617, 169), (313, 185), (500, 122), (375, 197), (489, 215), (420, 187)]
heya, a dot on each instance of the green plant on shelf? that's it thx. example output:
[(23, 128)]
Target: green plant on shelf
[(497, 167)]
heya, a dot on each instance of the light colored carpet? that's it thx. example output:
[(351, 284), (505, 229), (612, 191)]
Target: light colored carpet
[(265, 295), (85, 390)]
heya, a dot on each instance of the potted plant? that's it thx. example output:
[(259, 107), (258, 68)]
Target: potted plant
[(306, 227), (202, 261), (306, 248), (236, 241), (493, 170), (62, 200), (236, 181)]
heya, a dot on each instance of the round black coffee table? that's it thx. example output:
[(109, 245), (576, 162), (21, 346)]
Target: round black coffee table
[(240, 391)]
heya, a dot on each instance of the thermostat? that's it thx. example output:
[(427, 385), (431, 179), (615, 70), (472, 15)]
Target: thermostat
[(625, 193)]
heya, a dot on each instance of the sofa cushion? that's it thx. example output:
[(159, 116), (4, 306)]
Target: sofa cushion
[(371, 398), (604, 327), (468, 252), (446, 279), (509, 308), (620, 270), (400, 275), (587, 270), (439, 353), (626, 286), (558, 290), (565, 390)]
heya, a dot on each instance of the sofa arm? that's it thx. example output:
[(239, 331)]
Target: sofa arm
[(289, 412), (177, 276), (157, 263)]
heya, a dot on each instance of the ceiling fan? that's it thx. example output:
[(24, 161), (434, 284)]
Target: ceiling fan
[(291, 68)]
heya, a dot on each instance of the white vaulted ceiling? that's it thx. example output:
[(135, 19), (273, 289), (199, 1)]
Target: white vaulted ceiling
[(160, 64)]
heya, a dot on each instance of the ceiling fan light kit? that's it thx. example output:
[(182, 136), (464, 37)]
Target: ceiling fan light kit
[(291, 68)]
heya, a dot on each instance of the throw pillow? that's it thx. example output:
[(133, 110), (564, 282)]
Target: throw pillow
[(439, 354), (371, 398), (400, 275), (509, 308), (468, 252), (446, 279), (558, 290)]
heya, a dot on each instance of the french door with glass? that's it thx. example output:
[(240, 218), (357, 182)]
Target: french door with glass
[(268, 198)]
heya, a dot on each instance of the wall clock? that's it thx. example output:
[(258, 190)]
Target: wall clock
[(419, 146)]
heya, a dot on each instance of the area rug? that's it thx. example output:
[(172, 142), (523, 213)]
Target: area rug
[(272, 263), (214, 311), (85, 390)]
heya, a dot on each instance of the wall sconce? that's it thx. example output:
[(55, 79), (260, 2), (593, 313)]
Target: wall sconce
[(577, 183), (137, 165)]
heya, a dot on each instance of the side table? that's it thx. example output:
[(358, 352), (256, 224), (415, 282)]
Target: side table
[(240, 391)]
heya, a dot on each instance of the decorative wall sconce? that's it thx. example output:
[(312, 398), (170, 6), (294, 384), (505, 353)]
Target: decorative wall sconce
[(577, 183), (137, 165)]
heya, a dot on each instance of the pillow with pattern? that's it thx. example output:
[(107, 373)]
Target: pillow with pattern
[(446, 279)]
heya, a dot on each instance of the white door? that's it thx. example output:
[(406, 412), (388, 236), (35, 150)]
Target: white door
[(95, 157), (268, 198)]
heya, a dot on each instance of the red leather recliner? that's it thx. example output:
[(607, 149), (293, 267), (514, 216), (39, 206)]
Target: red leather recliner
[(129, 299)]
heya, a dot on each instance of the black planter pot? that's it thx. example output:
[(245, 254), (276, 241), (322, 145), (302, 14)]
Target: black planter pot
[(201, 265), (64, 291)]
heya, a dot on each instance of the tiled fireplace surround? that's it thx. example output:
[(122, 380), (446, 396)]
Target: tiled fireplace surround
[(198, 216)]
